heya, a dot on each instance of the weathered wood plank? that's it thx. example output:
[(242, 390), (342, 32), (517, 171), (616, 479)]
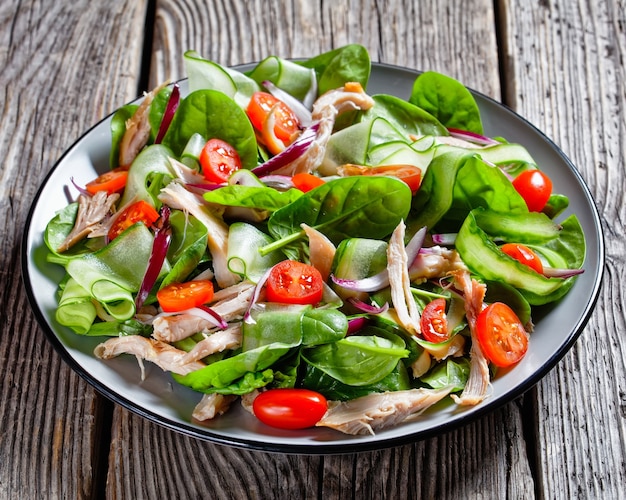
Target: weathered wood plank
[(486, 456), (56, 65), (565, 73)]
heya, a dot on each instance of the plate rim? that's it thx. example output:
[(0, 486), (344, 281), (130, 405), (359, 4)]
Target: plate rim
[(328, 448)]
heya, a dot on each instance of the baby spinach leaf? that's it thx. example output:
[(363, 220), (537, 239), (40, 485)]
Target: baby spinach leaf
[(212, 113), (450, 372), (334, 390), (262, 198), (350, 63), (358, 359), (348, 207), (448, 100)]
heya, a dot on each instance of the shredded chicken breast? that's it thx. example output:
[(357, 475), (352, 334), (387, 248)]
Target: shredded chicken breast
[(478, 382), (321, 251), (92, 211), (165, 356), (399, 282), (218, 341), (138, 129), (212, 405), (373, 412)]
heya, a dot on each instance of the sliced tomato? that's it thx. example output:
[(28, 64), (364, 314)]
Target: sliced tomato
[(434, 322), (286, 124), (410, 174), (524, 255), (305, 182), (112, 181), (177, 297), (290, 408), (219, 160), (501, 335), (535, 187), (293, 282), (140, 211)]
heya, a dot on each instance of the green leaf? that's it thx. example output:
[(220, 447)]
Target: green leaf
[(211, 114), (262, 198), (348, 207), (448, 100), (358, 360), (350, 63)]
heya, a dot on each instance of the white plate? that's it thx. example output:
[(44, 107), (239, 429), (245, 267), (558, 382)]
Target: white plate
[(161, 400)]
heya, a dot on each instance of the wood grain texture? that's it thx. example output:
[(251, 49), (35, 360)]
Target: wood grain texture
[(56, 62), (565, 62)]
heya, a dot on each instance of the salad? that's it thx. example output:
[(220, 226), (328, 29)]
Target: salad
[(326, 257)]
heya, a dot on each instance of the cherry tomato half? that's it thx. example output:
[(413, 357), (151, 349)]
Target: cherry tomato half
[(219, 160), (524, 255), (535, 187), (177, 297), (434, 322), (286, 123), (293, 282), (305, 182), (290, 408), (501, 335), (112, 181), (140, 211)]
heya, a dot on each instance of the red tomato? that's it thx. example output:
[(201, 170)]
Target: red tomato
[(535, 187), (286, 123), (501, 335), (410, 174), (219, 160), (111, 182), (305, 182), (140, 211), (177, 297), (524, 255), (434, 322), (289, 408), (293, 282)]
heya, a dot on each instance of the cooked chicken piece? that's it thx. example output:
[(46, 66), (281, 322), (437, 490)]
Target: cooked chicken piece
[(178, 326), (165, 356), (321, 251), (454, 348), (186, 174), (247, 400), (177, 197), (218, 341), (234, 307), (137, 130), (232, 291), (421, 365), (325, 111), (231, 305), (433, 262), (400, 284), (373, 412), (212, 405), (478, 382), (92, 210)]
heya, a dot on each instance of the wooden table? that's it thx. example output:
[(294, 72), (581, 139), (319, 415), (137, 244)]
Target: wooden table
[(67, 64)]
